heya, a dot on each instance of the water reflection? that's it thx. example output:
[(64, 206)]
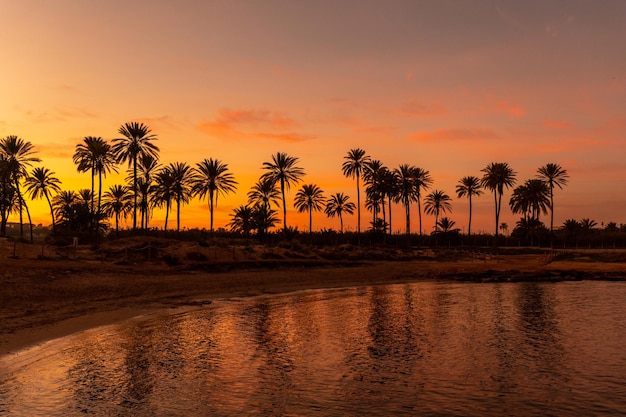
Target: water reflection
[(426, 348)]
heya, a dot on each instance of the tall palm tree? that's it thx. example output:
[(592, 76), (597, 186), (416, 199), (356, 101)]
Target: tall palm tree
[(183, 176), (164, 192), (354, 167), (407, 192), (309, 198), (95, 155), (264, 192), (553, 174), (137, 141), (283, 170), (41, 183), (212, 178), (18, 155), (423, 180), (469, 186), (437, 202), (117, 202), (497, 176), (336, 205)]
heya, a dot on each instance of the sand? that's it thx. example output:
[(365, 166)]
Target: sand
[(43, 299)]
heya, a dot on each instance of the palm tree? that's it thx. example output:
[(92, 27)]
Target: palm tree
[(373, 176), (531, 199), (283, 170), (147, 166), (497, 176), (407, 192), (212, 178), (437, 202), (422, 181), (242, 220), (64, 203), (164, 192), (117, 202), (137, 141), (446, 225), (18, 155), (336, 205), (469, 186), (183, 176), (95, 155), (41, 183), (8, 195), (353, 167), (309, 198), (265, 193), (553, 174)]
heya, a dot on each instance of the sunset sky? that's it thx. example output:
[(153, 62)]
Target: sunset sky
[(449, 86)]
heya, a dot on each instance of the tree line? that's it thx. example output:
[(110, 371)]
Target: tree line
[(150, 185)]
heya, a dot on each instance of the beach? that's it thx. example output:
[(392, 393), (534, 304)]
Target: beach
[(46, 297)]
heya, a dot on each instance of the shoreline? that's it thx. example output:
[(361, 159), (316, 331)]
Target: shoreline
[(47, 299)]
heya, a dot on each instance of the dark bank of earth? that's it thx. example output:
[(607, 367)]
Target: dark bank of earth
[(490, 276)]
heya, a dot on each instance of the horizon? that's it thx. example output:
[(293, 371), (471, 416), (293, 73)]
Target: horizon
[(445, 86)]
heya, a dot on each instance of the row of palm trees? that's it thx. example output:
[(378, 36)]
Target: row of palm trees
[(151, 185)]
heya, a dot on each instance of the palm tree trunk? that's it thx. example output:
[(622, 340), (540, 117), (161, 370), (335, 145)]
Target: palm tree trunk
[(469, 226), (495, 198), (389, 198), (358, 207), (167, 214), (51, 213), (117, 223), (407, 209), (99, 197), (19, 199), (340, 223), (419, 213), (30, 223), (310, 219), (178, 214), (282, 189), (134, 192), (211, 207), (551, 210)]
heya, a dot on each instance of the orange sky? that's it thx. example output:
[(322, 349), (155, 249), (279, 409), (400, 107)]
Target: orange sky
[(448, 86)]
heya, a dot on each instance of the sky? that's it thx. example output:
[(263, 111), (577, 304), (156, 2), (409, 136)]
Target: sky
[(448, 86)]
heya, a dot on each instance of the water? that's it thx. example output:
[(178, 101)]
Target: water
[(419, 349)]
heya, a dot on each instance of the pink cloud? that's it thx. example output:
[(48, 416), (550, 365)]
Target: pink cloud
[(248, 124), (453, 135), (556, 124), (413, 108)]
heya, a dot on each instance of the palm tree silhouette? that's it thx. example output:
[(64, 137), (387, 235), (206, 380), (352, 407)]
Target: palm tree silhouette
[(553, 174), (117, 202), (446, 225), (354, 167), (137, 141), (283, 170), (373, 176), (469, 186), (147, 166), (309, 198), (95, 155), (18, 155), (242, 220), (265, 193), (422, 180), (336, 205), (437, 202), (531, 199), (63, 204), (183, 176), (8, 195), (212, 178), (41, 183), (497, 176), (164, 192), (406, 190)]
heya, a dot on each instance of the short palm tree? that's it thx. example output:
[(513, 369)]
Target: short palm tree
[(531, 199), (553, 174), (118, 203), (338, 204), (264, 192), (497, 176), (136, 141), (40, 184), (283, 170), (18, 155), (435, 203), (353, 167), (147, 166), (468, 187), (309, 198), (242, 220), (164, 192), (212, 179), (63, 204)]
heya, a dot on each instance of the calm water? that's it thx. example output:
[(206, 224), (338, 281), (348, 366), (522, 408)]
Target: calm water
[(420, 349)]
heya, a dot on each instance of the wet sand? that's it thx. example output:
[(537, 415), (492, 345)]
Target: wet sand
[(43, 299)]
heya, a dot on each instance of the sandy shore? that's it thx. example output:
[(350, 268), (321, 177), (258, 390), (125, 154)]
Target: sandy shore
[(42, 299)]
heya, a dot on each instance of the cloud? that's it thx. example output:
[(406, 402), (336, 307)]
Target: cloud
[(250, 124), (494, 105), (454, 135), (556, 124), (413, 108)]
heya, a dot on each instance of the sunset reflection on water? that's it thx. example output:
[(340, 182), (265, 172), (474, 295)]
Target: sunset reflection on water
[(414, 349)]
